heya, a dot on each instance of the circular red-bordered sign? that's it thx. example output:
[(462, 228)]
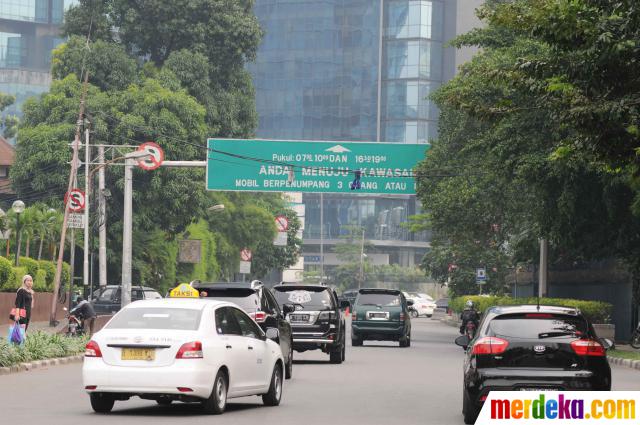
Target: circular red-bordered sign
[(75, 199), (155, 158), (246, 254), (282, 223)]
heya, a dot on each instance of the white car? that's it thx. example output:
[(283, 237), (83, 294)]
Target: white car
[(422, 306), (189, 350)]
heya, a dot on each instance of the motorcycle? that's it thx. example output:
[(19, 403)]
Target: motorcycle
[(470, 330), (74, 327), (413, 312), (635, 337)]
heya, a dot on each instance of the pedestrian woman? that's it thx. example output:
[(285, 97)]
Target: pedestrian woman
[(24, 300)]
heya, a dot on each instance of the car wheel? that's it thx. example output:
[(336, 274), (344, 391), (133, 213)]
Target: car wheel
[(217, 401), (469, 411), (429, 315), (101, 402), (405, 341), (414, 313), (335, 357), (356, 341), (272, 398), (164, 401), (635, 340), (344, 349), (288, 373)]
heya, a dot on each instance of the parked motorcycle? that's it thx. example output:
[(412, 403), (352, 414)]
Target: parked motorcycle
[(74, 327)]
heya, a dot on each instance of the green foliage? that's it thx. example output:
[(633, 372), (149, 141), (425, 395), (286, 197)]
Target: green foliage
[(8, 123), (30, 264), (13, 285), (7, 273), (39, 346), (49, 268), (208, 269), (40, 281), (594, 311)]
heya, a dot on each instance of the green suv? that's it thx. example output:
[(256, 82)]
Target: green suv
[(381, 315)]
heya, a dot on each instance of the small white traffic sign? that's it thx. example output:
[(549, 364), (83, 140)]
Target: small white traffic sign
[(281, 239), (75, 221), (481, 275), (282, 223), (155, 158), (245, 254), (245, 267), (76, 200)]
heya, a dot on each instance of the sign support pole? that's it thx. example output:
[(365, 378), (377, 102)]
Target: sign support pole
[(321, 237), (125, 296), (87, 183), (102, 250)]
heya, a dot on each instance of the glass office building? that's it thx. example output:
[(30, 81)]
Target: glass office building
[(354, 70), (29, 31)]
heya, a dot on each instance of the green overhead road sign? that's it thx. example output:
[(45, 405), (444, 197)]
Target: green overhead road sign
[(310, 166)]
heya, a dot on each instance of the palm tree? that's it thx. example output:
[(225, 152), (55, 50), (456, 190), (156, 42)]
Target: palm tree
[(28, 226), (49, 227)]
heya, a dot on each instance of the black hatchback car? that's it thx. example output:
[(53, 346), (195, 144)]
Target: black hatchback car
[(259, 303), (531, 347), (317, 322), (107, 299)]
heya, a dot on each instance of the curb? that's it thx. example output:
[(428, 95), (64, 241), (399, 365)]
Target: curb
[(39, 364), (631, 364)]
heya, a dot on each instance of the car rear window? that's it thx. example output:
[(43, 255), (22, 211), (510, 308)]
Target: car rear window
[(156, 318), (246, 299), (381, 299), (152, 295), (310, 299), (537, 325)]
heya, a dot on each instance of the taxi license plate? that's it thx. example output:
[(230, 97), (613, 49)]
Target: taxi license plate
[(538, 389), (147, 354), (379, 315)]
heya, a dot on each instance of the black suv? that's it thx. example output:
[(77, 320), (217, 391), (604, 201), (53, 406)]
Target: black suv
[(532, 347), (259, 303), (317, 321), (108, 299)]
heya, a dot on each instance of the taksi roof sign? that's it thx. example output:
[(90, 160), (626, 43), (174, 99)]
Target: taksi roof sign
[(184, 290)]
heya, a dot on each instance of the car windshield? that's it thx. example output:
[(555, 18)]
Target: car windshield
[(156, 318), (246, 299), (537, 326), (381, 299), (307, 299)]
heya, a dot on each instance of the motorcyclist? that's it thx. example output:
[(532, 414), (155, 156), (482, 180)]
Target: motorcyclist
[(85, 312), (469, 314)]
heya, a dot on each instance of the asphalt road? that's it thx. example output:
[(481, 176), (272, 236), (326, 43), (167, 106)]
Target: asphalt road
[(378, 384)]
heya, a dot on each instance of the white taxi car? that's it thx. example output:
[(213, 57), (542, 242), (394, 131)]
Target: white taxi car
[(189, 350)]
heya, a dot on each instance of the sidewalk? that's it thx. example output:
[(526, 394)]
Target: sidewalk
[(35, 326)]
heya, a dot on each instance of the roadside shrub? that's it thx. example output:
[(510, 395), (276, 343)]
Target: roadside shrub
[(13, 284), (40, 281), (594, 311), (7, 274), (39, 346), (50, 269), (30, 264)]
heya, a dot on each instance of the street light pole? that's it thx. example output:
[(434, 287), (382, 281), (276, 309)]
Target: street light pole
[(18, 208), (361, 282)]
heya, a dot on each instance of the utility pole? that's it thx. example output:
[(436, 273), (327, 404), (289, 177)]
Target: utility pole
[(87, 190), (321, 237), (72, 177), (361, 282), (542, 275), (102, 250), (127, 221)]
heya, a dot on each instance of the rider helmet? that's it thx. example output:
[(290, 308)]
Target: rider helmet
[(469, 304)]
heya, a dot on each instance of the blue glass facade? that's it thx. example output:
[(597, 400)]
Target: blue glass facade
[(29, 31), (338, 70)]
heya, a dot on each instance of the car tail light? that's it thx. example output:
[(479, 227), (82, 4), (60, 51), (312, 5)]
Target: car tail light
[(490, 345), (190, 350), (259, 316), (90, 387), (185, 389), (588, 347), (402, 317), (92, 349), (354, 316)]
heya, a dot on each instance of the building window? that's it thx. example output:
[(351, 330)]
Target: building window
[(414, 19), (413, 59), (409, 100), (421, 132), (12, 50), (4, 172)]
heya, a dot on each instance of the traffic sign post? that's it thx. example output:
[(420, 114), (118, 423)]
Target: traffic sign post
[(282, 224), (76, 221), (76, 200), (155, 156), (320, 167), (246, 255)]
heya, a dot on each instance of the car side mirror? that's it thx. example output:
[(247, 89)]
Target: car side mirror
[(409, 302), (273, 334), (287, 308), (463, 341), (345, 304), (608, 344)]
